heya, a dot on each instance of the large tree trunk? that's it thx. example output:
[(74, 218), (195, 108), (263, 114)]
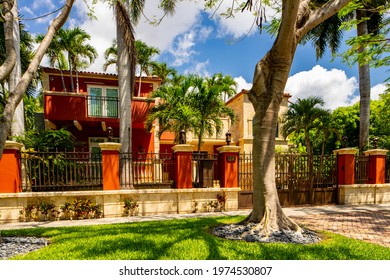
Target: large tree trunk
[(267, 212), (17, 94), (18, 126), (9, 63), (270, 77), (364, 86)]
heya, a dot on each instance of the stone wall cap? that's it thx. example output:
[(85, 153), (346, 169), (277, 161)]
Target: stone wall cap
[(346, 151), (12, 145), (183, 148), (375, 152), (110, 146), (228, 149)]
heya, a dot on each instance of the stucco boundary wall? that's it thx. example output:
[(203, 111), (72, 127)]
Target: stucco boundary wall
[(364, 194), (151, 202)]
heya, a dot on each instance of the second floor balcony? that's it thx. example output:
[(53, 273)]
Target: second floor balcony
[(102, 107)]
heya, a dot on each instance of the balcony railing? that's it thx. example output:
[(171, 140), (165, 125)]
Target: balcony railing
[(102, 107)]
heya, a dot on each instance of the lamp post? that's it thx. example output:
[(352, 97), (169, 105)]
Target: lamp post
[(228, 137), (375, 142)]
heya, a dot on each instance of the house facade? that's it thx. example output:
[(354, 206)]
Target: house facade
[(94, 107)]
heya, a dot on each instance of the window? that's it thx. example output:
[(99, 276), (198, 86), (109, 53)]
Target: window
[(102, 102)]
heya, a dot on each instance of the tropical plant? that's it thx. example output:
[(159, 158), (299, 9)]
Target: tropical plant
[(165, 73), (172, 108), (17, 93), (208, 100), (368, 19), (111, 56), (302, 116), (144, 55)]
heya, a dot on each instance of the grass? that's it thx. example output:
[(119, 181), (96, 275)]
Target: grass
[(187, 239)]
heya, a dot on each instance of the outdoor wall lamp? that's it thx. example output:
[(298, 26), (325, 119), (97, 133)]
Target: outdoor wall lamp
[(110, 133), (182, 137), (228, 138)]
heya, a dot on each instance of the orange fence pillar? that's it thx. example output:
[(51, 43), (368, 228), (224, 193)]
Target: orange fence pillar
[(229, 166), (376, 166), (110, 165), (183, 166), (10, 173), (346, 166)]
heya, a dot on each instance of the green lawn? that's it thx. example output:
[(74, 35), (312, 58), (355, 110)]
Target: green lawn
[(186, 239)]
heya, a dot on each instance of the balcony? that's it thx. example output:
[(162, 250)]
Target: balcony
[(102, 107)]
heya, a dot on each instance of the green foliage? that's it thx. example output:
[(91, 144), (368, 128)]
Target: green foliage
[(81, 208), (130, 206), (51, 140), (40, 209), (187, 239)]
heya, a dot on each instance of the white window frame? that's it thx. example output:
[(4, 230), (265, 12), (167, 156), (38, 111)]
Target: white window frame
[(104, 112)]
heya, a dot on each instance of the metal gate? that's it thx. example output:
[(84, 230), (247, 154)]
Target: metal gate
[(300, 179)]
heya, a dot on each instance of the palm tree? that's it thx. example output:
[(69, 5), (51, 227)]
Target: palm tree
[(172, 108), (57, 58), (73, 42), (165, 73), (301, 116), (111, 56), (144, 55), (207, 98), (329, 34)]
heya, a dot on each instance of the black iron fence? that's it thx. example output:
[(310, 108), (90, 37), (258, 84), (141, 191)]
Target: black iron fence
[(293, 171), (361, 169), (205, 170), (61, 171), (103, 107), (146, 170)]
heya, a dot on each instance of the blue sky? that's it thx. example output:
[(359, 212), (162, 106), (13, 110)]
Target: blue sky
[(193, 43)]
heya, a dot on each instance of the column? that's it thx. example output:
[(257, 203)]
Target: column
[(110, 165), (376, 166), (346, 165), (10, 169), (183, 165), (228, 162)]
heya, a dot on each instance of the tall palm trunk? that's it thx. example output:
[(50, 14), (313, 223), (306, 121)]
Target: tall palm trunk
[(364, 85), (17, 127)]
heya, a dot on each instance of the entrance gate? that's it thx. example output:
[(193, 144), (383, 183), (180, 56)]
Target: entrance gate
[(300, 179)]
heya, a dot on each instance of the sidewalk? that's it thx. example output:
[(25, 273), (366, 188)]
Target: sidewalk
[(364, 222)]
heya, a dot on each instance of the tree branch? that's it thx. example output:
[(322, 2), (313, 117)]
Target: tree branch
[(321, 14), (16, 95), (9, 63)]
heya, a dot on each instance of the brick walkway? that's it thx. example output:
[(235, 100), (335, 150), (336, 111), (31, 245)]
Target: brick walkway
[(367, 225)]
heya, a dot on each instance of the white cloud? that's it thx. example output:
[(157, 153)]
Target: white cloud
[(242, 84), (199, 68), (377, 90), (332, 85), (183, 49)]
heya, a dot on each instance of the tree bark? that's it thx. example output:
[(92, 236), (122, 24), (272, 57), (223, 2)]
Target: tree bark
[(17, 94), (18, 123), (364, 86), (270, 77), (9, 63)]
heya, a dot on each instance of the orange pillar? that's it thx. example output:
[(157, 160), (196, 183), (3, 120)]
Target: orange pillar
[(10, 173), (376, 166), (110, 165), (346, 166), (229, 166), (183, 165)]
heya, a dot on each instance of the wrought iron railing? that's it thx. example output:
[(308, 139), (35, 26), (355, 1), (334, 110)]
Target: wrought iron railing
[(361, 169), (143, 170), (102, 107), (61, 171), (293, 171), (205, 170)]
